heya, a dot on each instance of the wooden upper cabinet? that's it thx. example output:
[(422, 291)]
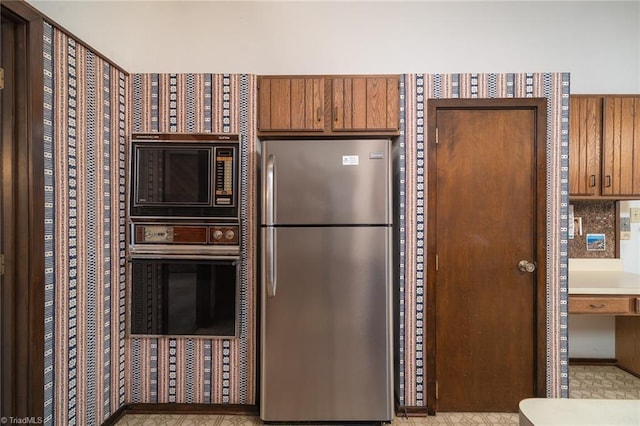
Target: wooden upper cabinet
[(365, 103), (585, 144), (621, 146), (328, 105), (604, 146), (290, 104)]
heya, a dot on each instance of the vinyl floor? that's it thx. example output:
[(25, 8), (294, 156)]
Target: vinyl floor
[(586, 382)]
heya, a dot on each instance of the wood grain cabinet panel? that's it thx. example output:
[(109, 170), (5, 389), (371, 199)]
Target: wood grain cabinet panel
[(585, 144), (621, 146), (604, 146), (628, 343), (604, 305), (328, 105), (291, 104), (365, 103)]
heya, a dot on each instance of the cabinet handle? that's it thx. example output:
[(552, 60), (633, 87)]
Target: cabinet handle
[(608, 179), (592, 180), (597, 306)]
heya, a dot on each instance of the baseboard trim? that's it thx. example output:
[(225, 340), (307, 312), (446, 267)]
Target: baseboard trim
[(623, 368), (413, 411), (113, 418), (593, 361), (175, 408)]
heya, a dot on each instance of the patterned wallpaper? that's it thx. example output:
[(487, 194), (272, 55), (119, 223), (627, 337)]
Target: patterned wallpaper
[(201, 370), (85, 112), (411, 386), (91, 367)]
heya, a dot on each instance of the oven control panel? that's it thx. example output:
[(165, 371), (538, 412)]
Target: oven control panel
[(224, 180), (209, 234)]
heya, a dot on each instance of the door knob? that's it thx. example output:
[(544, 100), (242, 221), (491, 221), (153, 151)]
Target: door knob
[(526, 266)]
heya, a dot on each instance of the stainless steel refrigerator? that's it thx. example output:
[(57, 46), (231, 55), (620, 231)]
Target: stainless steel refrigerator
[(326, 326)]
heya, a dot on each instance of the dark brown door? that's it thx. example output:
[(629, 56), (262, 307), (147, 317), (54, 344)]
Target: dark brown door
[(7, 223), (486, 215), (21, 214)]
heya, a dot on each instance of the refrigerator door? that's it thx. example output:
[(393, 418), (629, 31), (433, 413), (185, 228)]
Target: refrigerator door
[(327, 181), (326, 326)]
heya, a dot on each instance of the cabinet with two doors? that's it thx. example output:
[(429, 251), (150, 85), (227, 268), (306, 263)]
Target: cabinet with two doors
[(328, 105), (604, 147)]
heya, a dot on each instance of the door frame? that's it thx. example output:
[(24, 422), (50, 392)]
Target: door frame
[(23, 387), (539, 105)]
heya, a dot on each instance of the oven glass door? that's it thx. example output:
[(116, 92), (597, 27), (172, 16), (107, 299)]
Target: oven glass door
[(177, 297)]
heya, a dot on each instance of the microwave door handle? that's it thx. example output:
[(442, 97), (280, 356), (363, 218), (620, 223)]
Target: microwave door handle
[(270, 219)]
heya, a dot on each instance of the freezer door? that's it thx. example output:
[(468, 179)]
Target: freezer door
[(326, 326), (327, 181)]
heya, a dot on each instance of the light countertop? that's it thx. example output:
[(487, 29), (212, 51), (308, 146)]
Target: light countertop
[(603, 282), (601, 277), (562, 412)]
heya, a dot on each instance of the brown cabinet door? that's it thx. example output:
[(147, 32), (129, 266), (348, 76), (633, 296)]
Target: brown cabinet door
[(365, 103), (290, 104), (621, 146), (584, 145)]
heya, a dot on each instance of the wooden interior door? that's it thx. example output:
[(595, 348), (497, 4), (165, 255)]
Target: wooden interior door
[(21, 213), (7, 223), (487, 186)]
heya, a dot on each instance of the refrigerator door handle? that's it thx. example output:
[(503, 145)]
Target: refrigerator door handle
[(270, 189), (271, 233), (271, 262)]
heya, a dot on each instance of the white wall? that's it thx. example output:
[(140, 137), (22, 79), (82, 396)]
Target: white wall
[(597, 42), (630, 249), (592, 336)]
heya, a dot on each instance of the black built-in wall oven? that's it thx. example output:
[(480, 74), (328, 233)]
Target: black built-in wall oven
[(184, 240)]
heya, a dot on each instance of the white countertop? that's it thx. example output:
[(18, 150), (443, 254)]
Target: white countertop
[(564, 412), (603, 282), (601, 276)]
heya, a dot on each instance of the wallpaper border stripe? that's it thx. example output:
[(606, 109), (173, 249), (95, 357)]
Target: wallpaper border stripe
[(49, 230), (106, 251), (402, 238), (72, 190)]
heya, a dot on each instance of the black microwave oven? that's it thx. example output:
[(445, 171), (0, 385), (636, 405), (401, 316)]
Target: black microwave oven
[(184, 175)]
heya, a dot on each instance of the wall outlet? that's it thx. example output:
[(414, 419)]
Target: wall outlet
[(634, 213), (625, 235), (625, 225)]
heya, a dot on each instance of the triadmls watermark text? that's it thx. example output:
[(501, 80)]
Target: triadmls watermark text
[(20, 420)]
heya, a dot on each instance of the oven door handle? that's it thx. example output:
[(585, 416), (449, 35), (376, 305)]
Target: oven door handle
[(271, 262), (180, 256)]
